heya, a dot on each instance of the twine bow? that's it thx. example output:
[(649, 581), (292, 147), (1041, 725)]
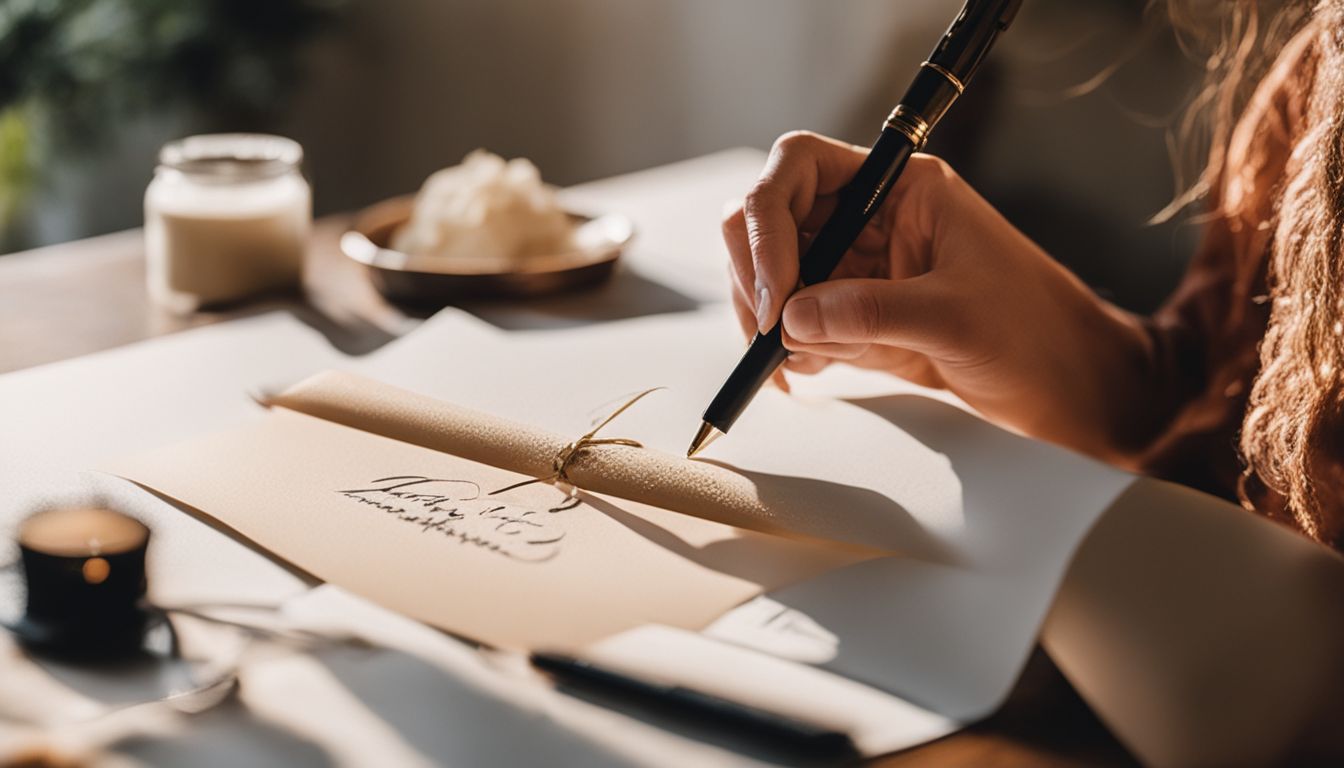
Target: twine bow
[(565, 455)]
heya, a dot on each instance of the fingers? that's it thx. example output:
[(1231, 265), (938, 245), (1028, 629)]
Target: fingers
[(914, 314), (833, 351), (772, 235), (898, 315), (928, 197), (796, 194), (911, 366), (734, 226), (746, 318), (739, 257), (808, 364), (746, 315), (801, 167)]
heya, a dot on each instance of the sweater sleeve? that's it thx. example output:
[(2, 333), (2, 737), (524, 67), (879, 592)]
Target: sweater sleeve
[(1204, 340)]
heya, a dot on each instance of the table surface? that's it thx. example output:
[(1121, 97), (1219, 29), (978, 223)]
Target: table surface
[(77, 298)]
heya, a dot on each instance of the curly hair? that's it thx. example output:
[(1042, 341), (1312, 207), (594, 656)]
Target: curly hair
[(1294, 427), (1292, 436)]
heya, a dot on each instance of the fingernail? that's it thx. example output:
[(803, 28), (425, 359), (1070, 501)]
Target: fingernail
[(802, 319), (762, 308)]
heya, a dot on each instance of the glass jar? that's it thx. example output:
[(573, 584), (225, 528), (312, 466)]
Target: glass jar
[(227, 217)]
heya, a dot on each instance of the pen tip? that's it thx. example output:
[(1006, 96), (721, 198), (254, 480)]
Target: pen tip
[(707, 434)]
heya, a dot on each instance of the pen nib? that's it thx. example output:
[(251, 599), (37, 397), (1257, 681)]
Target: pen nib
[(707, 434)]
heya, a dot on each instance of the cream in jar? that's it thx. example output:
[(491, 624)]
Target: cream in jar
[(227, 217)]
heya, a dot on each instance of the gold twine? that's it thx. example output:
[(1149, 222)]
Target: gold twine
[(571, 450)]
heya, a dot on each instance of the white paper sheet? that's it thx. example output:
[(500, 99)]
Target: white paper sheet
[(57, 419), (949, 634), (60, 419)]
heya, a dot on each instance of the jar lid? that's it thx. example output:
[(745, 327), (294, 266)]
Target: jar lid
[(233, 156)]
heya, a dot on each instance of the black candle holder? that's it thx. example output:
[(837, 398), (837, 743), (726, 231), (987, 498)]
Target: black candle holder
[(85, 594)]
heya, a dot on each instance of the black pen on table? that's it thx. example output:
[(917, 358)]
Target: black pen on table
[(939, 82), (797, 735)]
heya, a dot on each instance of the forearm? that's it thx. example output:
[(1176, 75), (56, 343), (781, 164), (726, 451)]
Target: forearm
[(1109, 393)]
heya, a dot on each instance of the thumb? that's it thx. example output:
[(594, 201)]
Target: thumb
[(907, 313)]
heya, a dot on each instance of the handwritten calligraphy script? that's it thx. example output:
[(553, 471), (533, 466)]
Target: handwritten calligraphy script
[(458, 510)]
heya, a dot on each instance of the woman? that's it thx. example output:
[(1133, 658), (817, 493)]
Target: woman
[(1233, 387)]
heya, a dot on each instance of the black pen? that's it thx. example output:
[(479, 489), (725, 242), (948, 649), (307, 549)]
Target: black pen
[(939, 82), (696, 705)]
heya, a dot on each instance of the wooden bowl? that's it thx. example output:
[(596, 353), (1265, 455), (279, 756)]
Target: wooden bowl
[(430, 280)]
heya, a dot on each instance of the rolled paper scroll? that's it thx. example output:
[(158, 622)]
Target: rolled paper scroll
[(629, 472)]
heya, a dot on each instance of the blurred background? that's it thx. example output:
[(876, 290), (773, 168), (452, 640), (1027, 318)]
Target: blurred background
[(1067, 130)]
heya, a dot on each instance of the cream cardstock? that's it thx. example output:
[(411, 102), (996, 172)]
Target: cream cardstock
[(419, 531), (773, 504)]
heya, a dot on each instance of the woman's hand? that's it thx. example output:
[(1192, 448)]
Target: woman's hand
[(941, 290)]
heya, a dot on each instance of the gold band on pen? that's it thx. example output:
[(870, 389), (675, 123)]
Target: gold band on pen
[(910, 123), (951, 78)]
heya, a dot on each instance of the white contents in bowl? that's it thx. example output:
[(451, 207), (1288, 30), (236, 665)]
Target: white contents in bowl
[(489, 211)]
